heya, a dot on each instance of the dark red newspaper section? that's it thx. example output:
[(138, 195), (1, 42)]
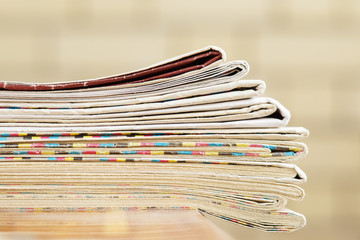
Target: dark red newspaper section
[(188, 63)]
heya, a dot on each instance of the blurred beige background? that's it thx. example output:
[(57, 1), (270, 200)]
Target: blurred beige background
[(307, 51)]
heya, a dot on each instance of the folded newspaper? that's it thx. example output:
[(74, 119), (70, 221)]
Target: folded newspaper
[(188, 132)]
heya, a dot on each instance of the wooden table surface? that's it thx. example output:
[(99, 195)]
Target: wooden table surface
[(140, 224)]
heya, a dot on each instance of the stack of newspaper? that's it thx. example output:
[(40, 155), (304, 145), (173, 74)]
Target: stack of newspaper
[(186, 133)]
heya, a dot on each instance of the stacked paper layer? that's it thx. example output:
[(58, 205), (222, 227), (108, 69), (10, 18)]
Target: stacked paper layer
[(185, 133)]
